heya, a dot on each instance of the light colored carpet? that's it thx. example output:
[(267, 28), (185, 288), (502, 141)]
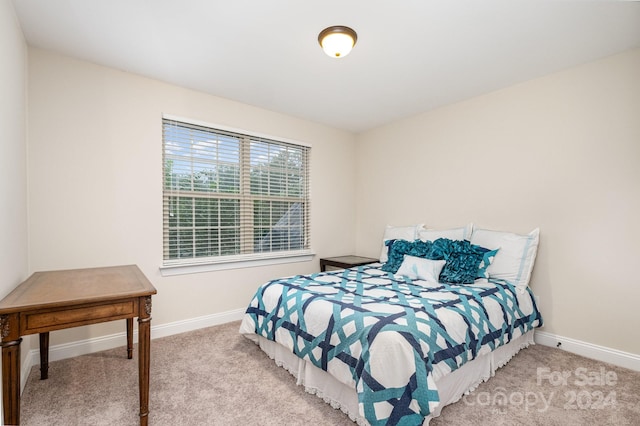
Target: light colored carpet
[(215, 376)]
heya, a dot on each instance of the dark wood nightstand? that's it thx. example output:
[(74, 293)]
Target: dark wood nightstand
[(345, 262)]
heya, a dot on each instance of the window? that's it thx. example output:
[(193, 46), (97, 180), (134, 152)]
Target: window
[(230, 196)]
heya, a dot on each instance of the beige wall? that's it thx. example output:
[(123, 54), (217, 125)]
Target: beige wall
[(560, 152), (95, 194), (13, 155), (13, 150)]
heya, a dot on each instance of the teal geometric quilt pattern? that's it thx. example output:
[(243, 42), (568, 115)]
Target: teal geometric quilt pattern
[(384, 335)]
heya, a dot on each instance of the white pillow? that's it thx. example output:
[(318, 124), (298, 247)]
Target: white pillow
[(419, 268), (408, 233), (514, 261), (452, 234)]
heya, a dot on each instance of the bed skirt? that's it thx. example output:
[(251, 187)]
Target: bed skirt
[(451, 387)]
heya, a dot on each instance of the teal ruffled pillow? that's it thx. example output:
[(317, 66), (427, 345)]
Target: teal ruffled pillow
[(465, 262), (398, 248)]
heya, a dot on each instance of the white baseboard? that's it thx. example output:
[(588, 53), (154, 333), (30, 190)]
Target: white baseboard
[(589, 350), (102, 343), (164, 330)]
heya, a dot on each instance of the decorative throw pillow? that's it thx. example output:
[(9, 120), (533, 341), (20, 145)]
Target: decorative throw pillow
[(399, 248), (464, 262), (418, 268), (514, 262), (408, 233)]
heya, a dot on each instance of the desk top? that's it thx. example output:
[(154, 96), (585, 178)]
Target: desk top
[(77, 286)]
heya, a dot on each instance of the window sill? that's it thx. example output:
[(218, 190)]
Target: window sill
[(234, 263)]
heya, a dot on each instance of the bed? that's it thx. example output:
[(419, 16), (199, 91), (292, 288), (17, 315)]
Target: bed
[(391, 344)]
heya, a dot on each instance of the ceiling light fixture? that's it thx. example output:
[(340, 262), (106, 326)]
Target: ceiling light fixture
[(337, 41)]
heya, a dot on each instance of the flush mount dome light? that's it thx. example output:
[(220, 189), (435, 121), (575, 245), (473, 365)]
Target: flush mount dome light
[(337, 41)]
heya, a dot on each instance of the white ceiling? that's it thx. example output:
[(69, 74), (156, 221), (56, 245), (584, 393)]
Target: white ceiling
[(411, 55)]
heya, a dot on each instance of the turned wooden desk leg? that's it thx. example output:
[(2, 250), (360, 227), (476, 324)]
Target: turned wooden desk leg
[(44, 355), (129, 338), (10, 368), (144, 349)]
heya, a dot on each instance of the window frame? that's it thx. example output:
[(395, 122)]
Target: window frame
[(178, 266)]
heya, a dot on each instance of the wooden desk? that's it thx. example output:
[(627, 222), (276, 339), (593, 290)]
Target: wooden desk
[(56, 300)]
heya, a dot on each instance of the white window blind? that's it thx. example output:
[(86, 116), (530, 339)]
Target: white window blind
[(230, 196)]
